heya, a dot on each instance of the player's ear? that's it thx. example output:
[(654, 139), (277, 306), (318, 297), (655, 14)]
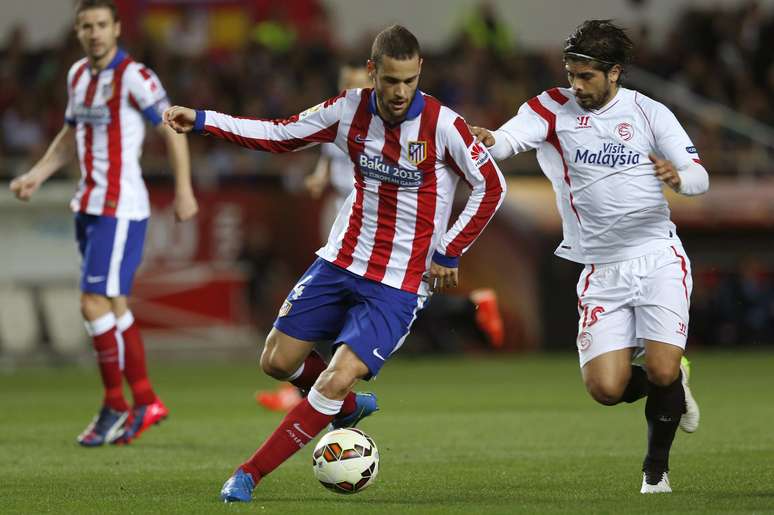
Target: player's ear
[(118, 28), (371, 68), (615, 73)]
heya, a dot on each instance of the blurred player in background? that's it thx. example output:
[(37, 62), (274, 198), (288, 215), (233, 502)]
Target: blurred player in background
[(334, 167), (389, 246), (109, 95), (599, 144)]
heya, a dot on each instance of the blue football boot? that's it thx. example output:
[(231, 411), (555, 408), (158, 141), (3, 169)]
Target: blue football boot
[(238, 488), (107, 427), (366, 405)]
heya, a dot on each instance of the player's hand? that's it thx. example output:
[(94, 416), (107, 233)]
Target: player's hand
[(482, 135), (315, 185), (666, 172), (441, 277), (186, 206), (25, 185), (180, 119)]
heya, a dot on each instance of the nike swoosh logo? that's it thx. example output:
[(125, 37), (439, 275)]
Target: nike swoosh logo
[(360, 139), (95, 278), (376, 353), (297, 427)]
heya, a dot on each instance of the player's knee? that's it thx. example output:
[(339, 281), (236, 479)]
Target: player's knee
[(273, 365), (93, 306), (335, 383), (663, 374), (605, 391)]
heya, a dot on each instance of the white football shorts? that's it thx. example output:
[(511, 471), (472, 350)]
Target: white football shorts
[(622, 304)]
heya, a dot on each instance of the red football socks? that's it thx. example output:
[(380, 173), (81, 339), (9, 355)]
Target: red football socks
[(297, 429), (103, 333), (135, 370)]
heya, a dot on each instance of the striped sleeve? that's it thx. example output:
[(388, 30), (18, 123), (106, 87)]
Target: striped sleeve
[(318, 124), (473, 162)]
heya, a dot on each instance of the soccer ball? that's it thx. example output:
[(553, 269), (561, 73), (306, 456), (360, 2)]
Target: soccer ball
[(346, 461)]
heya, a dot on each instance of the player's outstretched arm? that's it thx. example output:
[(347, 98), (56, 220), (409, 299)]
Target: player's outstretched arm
[(59, 153), (179, 158), (318, 124), (180, 119)]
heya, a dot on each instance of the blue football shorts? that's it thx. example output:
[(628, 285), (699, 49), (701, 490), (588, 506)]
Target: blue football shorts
[(332, 304), (111, 251)]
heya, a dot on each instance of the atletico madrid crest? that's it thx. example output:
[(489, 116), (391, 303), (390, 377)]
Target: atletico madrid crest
[(417, 151), (107, 91)]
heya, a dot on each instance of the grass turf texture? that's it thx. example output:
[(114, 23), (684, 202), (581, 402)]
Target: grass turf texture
[(456, 435)]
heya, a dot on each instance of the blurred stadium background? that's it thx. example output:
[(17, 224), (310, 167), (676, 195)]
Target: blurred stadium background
[(518, 431), (215, 284)]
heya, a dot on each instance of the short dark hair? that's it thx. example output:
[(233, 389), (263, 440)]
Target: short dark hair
[(396, 42), (599, 42), (84, 5)]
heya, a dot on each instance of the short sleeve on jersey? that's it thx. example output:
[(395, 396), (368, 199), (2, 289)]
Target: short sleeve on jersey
[(147, 94)]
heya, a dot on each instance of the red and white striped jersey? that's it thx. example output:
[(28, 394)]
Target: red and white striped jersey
[(611, 203), (107, 110), (396, 218)]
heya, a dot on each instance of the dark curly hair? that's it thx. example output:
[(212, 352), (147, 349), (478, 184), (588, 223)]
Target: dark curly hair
[(600, 43)]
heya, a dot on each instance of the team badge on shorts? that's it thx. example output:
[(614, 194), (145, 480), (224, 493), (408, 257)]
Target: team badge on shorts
[(285, 309), (417, 151), (584, 340)]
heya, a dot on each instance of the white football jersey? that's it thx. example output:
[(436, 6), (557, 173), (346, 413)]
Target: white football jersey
[(108, 111), (611, 203), (405, 176)]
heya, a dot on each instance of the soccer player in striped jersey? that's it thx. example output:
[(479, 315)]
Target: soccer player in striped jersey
[(110, 96), (389, 246), (608, 151)]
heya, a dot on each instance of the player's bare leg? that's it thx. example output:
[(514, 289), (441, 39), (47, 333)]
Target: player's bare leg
[(284, 357), (300, 425), (608, 377), (663, 410), (108, 425), (289, 359), (148, 409)]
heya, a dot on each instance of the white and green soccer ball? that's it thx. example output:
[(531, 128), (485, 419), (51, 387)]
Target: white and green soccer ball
[(346, 461)]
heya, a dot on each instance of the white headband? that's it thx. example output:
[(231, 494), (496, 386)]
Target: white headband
[(584, 56)]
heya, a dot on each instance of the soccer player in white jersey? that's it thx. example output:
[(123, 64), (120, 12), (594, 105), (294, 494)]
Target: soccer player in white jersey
[(109, 97), (389, 244), (607, 150)]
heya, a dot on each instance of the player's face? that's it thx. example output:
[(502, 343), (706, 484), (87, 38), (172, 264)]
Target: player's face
[(395, 82), (97, 31), (593, 88)]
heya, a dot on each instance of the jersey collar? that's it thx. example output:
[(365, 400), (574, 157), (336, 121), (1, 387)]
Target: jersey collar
[(415, 107), (117, 59), (120, 56)]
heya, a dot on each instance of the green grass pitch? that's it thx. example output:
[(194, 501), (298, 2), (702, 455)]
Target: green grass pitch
[(456, 435)]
